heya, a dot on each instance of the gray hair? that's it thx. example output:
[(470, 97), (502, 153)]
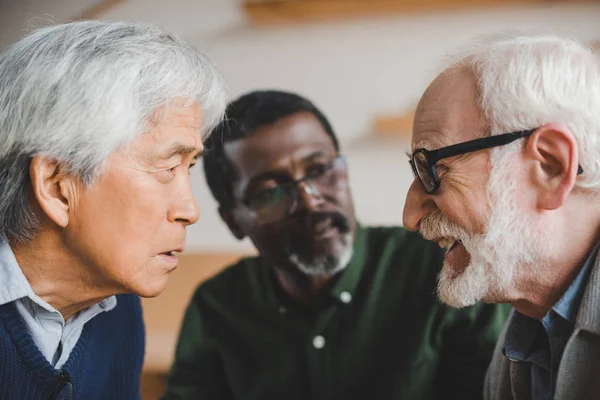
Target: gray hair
[(79, 91), (527, 80)]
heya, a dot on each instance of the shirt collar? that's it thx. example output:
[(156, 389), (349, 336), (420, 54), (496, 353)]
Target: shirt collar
[(520, 336), (522, 330), (13, 285), (345, 286), (568, 305)]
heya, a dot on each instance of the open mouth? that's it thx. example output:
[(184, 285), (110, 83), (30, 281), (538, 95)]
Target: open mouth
[(456, 255), (323, 228), (169, 258), (323, 223)]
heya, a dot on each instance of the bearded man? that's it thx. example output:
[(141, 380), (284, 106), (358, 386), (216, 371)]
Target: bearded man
[(505, 152)]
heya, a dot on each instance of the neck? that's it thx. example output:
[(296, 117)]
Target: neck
[(544, 284), (56, 275), (305, 289)]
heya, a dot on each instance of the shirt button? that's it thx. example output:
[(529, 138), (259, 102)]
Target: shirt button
[(319, 342), (282, 310), (346, 297)]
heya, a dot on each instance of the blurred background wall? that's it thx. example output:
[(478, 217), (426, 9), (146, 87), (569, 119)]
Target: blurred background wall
[(364, 62), (364, 70)]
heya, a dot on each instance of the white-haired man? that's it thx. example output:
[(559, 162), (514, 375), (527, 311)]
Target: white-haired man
[(505, 151), (99, 125)]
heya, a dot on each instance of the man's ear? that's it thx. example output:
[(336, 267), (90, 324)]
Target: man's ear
[(53, 189), (554, 150), (228, 217)]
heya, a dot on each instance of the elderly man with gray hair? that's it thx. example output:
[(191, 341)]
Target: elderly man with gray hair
[(506, 155), (99, 125)]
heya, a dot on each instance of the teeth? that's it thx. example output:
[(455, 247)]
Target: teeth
[(446, 243)]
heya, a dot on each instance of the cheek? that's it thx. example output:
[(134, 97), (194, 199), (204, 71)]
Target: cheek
[(346, 200), (271, 240), (343, 202), (118, 226), (468, 210), (464, 198)]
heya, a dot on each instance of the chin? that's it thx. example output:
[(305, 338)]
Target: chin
[(462, 288), (327, 264), (150, 289)]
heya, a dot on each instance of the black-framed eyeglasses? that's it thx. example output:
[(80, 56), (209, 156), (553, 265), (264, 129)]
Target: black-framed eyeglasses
[(275, 203), (423, 161)]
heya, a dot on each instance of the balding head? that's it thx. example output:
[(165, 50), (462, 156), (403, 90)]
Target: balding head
[(448, 112)]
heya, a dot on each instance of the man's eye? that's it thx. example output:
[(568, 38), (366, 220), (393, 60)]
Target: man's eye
[(317, 170), (266, 196), (172, 170)]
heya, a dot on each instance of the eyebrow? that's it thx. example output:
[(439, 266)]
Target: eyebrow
[(423, 144), (314, 155), (183, 149), (278, 174)]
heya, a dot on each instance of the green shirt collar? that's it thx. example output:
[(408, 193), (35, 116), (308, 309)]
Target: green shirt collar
[(345, 286)]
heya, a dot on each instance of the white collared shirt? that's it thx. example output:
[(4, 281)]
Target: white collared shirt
[(54, 336)]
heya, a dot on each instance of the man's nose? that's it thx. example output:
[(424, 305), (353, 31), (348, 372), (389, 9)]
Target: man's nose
[(185, 209), (418, 204), (308, 197)]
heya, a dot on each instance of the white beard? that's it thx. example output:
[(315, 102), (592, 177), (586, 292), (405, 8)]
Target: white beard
[(511, 240), (327, 265)]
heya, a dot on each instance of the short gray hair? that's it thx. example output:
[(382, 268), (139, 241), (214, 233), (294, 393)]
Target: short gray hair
[(77, 92), (528, 79)]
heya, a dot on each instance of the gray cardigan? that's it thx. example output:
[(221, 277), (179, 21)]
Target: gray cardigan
[(579, 371)]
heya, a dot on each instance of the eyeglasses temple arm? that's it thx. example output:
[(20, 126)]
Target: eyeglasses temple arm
[(477, 144)]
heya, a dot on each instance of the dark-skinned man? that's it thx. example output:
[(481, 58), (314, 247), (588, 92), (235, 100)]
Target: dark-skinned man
[(329, 309)]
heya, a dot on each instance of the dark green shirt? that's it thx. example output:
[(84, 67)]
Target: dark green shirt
[(381, 333)]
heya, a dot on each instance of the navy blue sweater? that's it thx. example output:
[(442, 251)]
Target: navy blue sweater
[(105, 363)]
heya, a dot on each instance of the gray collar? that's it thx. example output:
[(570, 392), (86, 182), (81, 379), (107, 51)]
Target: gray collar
[(588, 317)]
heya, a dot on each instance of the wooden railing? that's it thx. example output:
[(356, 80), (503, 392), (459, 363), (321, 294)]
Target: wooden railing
[(277, 12)]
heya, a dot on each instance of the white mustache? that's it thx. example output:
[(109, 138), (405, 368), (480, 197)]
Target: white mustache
[(437, 225)]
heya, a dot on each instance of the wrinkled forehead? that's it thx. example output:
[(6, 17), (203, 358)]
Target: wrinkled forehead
[(174, 130), (448, 112)]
